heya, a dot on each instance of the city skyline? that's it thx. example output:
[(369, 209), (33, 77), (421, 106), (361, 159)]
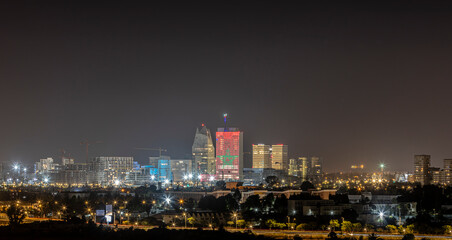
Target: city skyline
[(351, 83)]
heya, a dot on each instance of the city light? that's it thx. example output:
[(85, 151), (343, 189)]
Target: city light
[(211, 178)]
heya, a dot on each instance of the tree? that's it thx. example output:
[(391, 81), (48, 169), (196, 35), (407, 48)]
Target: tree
[(373, 236), (240, 223), (221, 184), (349, 215), (391, 228), (447, 229), (347, 226), (237, 195), (271, 180), (271, 223), (268, 201), (357, 227), (191, 221), (334, 223), (306, 185), (16, 215)]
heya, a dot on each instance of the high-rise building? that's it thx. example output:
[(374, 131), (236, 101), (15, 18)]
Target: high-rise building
[(294, 167), (261, 156), (421, 169), (66, 160), (280, 157), (448, 171), (305, 168), (315, 173), (229, 151), (437, 175), (181, 168), (107, 170), (203, 152)]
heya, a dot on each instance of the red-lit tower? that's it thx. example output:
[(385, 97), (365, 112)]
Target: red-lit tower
[(229, 153)]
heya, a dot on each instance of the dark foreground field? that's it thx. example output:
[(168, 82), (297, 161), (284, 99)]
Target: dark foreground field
[(61, 230)]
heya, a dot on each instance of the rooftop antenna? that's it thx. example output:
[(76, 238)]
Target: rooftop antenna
[(225, 116)]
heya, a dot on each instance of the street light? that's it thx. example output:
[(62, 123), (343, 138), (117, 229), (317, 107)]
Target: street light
[(235, 215), (185, 219)]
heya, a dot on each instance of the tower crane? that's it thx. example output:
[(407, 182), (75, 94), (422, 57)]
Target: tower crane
[(87, 143), (160, 150)]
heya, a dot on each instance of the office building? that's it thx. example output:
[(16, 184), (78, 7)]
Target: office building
[(305, 168), (203, 152), (315, 173), (107, 170), (229, 154), (280, 157), (294, 167), (181, 168), (261, 156), (422, 174), (448, 171)]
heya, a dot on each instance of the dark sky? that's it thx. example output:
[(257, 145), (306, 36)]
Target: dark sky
[(352, 83)]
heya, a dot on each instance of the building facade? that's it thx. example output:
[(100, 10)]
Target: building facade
[(229, 154), (448, 171), (422, 173), (280, 157), (203, 152), (261, 156), (106, 170)]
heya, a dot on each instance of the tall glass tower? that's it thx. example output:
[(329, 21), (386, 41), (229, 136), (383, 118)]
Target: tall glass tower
[(203, 152)]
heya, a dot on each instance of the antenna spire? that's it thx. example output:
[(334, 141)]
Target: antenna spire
[(225, 116)]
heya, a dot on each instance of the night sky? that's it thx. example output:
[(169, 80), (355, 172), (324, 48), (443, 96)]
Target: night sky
[(351, 83)]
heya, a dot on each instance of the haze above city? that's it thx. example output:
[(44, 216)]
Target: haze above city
[(348, 83)]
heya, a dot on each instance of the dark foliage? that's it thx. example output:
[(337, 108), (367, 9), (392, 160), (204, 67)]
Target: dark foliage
[(62, 230)]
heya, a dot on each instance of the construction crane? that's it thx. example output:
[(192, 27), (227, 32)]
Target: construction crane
[(160, 150), (64, 155), (87, 143)]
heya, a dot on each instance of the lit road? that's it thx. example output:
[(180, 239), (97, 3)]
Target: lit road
[(269, 233), (291, 233)]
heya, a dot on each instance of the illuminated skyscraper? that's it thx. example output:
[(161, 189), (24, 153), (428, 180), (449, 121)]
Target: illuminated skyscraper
[(229, 160), (448, 171), (315, 174), (305, 168), (280, 157), (261, 156), (422, 169), (203, 152)]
